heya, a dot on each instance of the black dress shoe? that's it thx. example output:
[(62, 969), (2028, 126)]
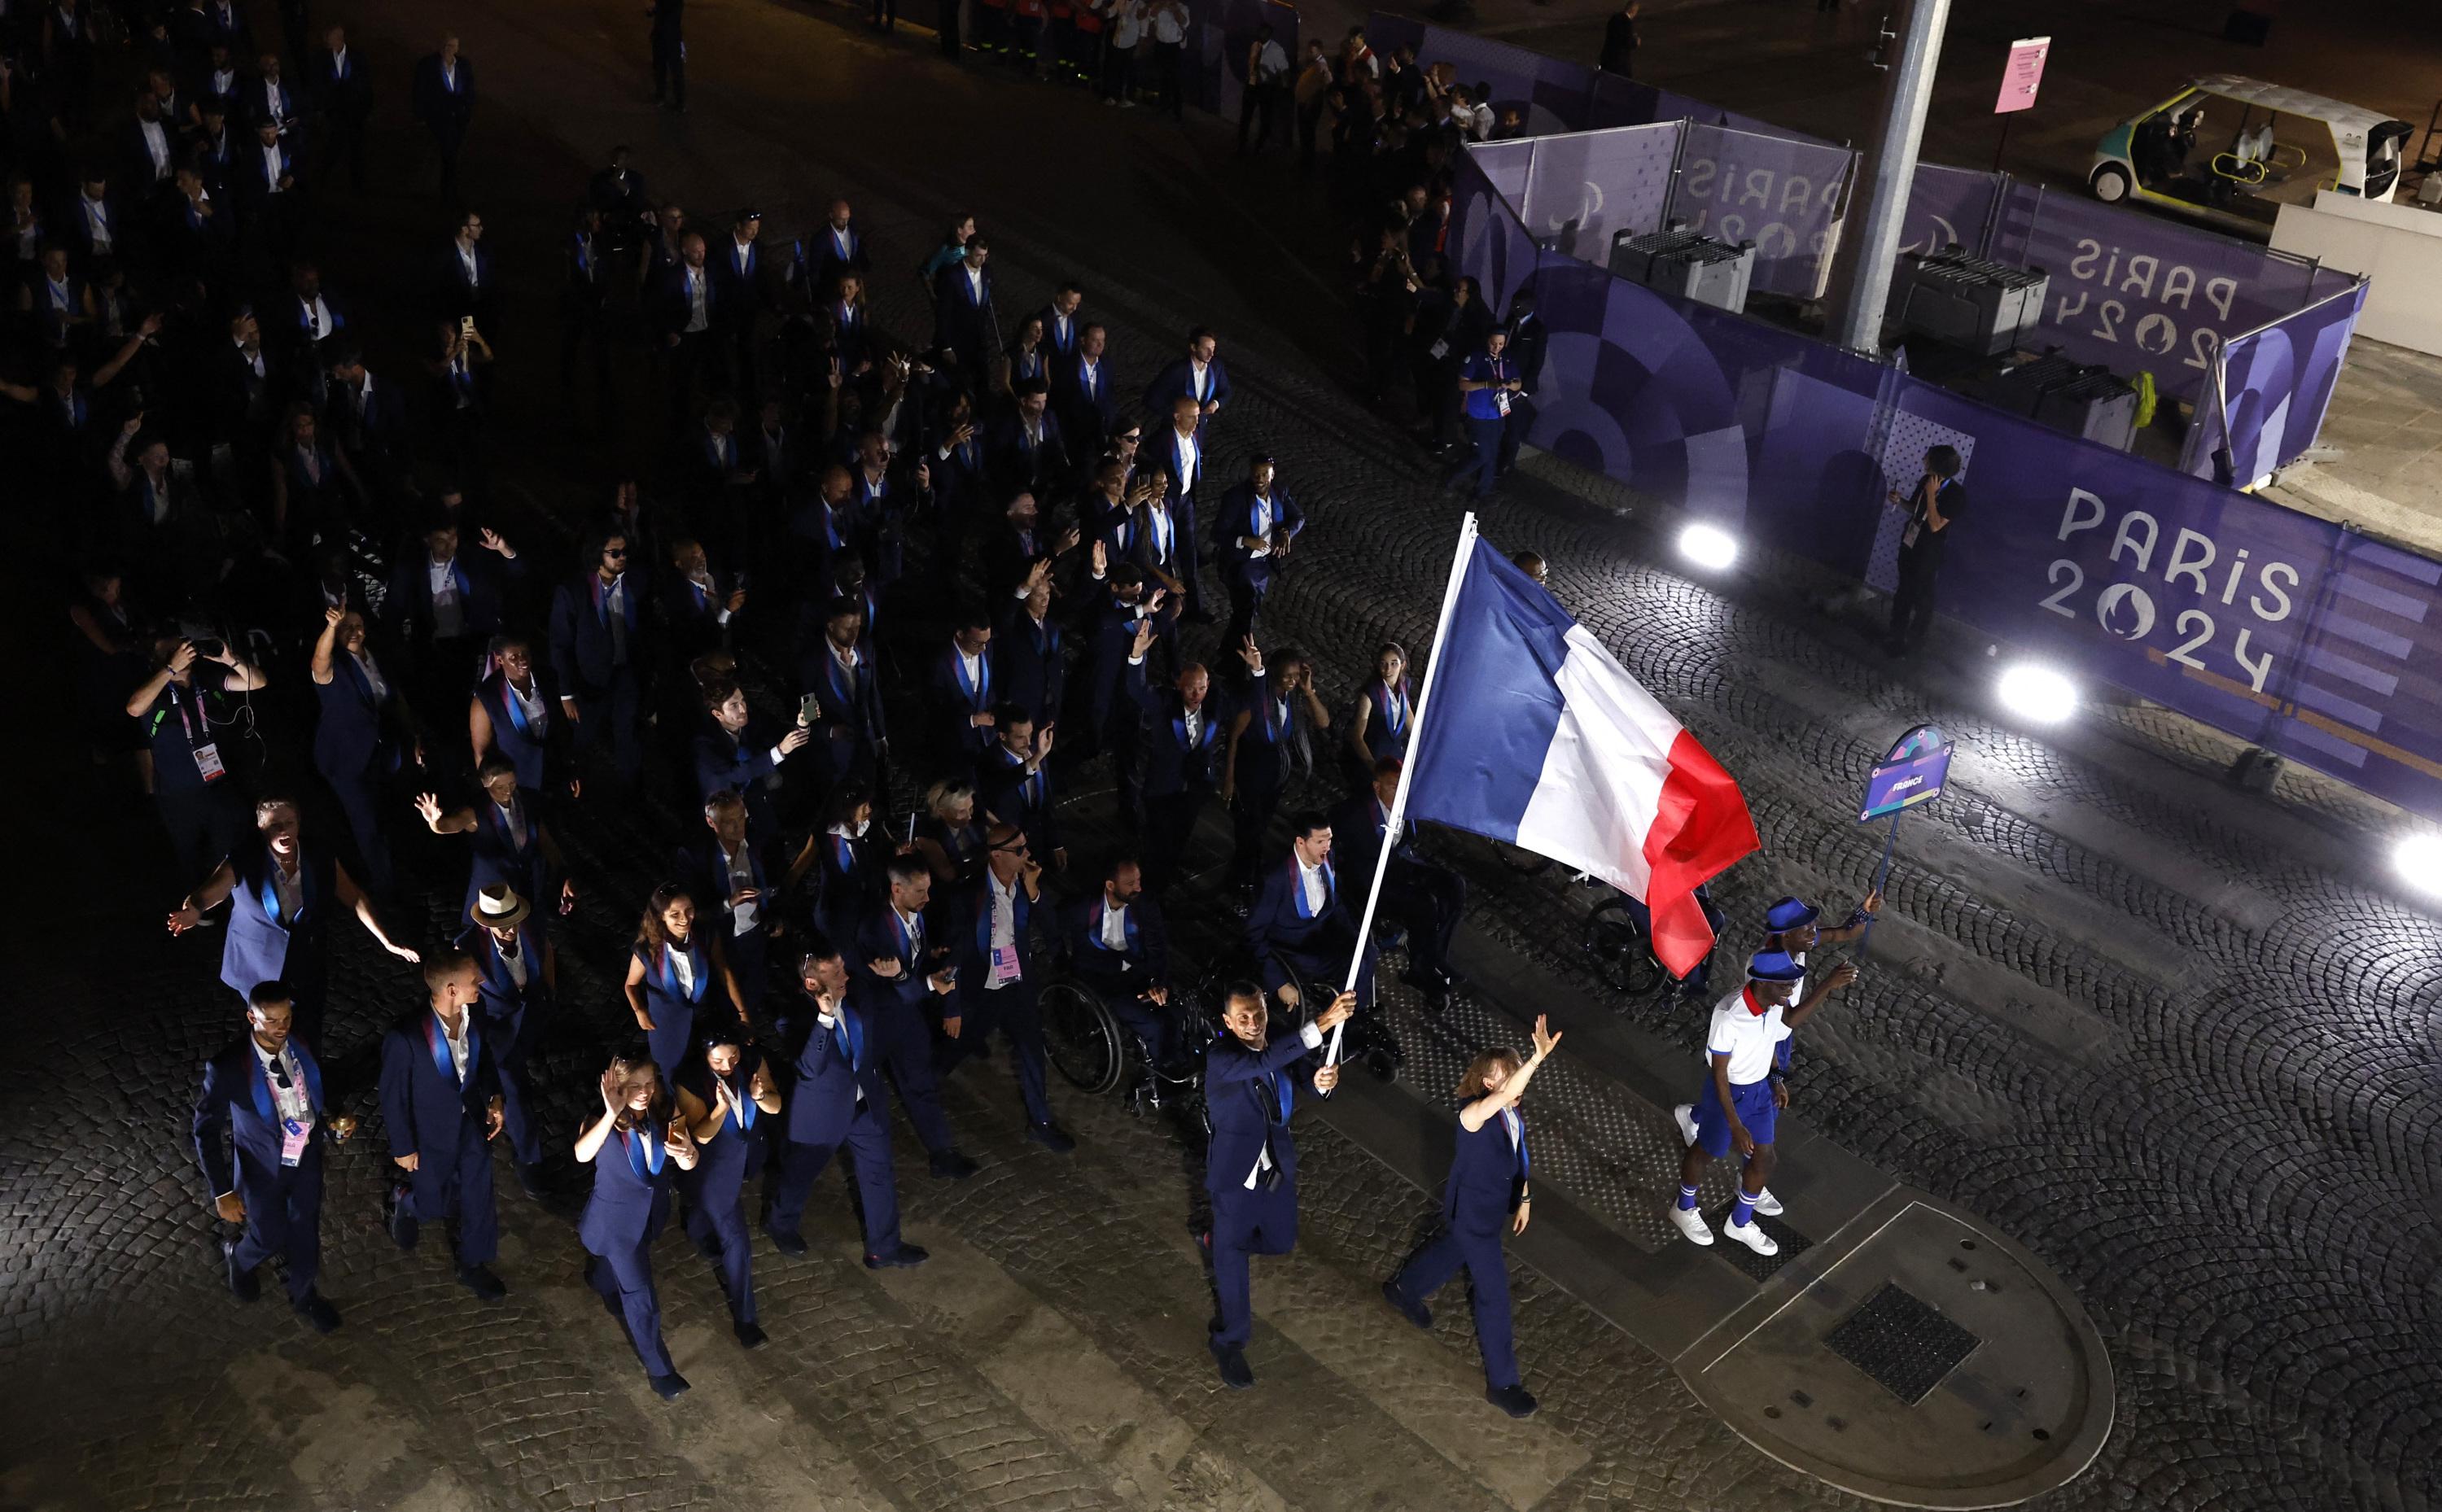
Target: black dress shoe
[(530, 1181), (1413, 1310), (786, 1241), (1052, 1137), (954, 1166), (669, 1388), (1511, 1399), (479, 1279), (242, 1282), (906, 1257), (750, 1336), (1233, 1361), (324, 1317)]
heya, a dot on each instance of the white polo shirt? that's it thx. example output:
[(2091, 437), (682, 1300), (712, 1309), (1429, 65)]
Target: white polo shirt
[(1746, 1038)]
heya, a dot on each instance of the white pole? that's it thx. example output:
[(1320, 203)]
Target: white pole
[(1467, 537)]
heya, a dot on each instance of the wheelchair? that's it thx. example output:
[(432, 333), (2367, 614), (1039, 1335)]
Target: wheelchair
[(1314, 994), (1097, 1053), (1619, 943)]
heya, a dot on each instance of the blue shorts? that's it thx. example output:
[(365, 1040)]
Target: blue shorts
[(1754, 1104)]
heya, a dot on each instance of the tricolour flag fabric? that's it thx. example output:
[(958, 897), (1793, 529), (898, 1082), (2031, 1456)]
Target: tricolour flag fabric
[(1536, 736)]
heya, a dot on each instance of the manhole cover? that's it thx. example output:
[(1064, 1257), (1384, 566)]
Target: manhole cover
[(1902, 1342)]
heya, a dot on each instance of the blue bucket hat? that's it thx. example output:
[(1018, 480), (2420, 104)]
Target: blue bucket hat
[(1773, 966), (1790, 913)]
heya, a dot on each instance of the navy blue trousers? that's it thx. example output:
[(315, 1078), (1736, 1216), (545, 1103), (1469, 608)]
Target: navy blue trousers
[(867, 1145), (1012, 1012), (1487, 1285), (625, 1278), (904, 1043), (285, 1218), (1246, 1222), (460, 1179), (717, 1209)]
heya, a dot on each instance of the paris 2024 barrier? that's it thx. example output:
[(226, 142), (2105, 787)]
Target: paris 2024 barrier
[(2286, 630), (2254, 338)]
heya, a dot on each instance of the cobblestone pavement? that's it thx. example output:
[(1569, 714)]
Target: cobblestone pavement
[(2166, 1037)]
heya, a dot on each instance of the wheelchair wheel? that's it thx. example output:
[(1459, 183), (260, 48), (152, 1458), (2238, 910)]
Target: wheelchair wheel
[(1619, 952), (1081, 1038)]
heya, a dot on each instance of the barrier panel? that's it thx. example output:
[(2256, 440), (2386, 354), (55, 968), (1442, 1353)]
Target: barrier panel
[(2129, 290), (2281, 629)]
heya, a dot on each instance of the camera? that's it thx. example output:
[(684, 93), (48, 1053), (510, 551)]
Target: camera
[(209, 648)]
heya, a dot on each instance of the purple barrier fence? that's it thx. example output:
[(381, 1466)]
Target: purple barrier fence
[(1781, 193), (1584, 188), (2276, 382), (2137, 292), (1949, 207), (2281, 629)]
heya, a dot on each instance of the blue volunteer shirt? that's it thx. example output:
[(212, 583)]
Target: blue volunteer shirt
[(1485, 368)]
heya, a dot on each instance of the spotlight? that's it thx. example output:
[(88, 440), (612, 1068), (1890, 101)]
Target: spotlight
[(2038, 694), (1709, 547), (2418, 858)]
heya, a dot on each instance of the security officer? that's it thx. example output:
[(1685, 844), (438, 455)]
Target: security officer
[(264, 1096), (1488, 1187), (1736, 1110), (1251, 1164)]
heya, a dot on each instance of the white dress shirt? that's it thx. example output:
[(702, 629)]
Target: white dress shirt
[(1317, 892)]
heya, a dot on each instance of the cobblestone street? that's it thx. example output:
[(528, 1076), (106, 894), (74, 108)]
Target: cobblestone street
[(2178, 1042)]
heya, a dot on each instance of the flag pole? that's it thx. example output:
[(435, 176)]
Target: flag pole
[(1467, 537)]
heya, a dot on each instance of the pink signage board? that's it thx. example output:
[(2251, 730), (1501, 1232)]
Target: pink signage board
[(2024, 73)]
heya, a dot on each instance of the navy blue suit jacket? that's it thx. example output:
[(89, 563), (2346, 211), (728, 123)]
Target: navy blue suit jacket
[(1236, 517), (1177, 381), (480, 577), (1241, 1098), (1274, 924), (581, 645), (954, 706), (1171, 764), (961, 321), (1029, 664), (1144, 963), (426, 1110), (825, 1075), (876, 938), (235, 1116)]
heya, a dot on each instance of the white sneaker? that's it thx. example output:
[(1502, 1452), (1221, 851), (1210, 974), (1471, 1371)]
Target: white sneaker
[(1767, 1204), (1691, 1223), (1686, 1116), (1753, 1237)]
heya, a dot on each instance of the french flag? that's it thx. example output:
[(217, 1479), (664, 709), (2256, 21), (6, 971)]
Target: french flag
[(1538, 736)]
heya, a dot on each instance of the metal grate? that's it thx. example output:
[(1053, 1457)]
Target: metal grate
[(1904, 1343), (1759, 1269)]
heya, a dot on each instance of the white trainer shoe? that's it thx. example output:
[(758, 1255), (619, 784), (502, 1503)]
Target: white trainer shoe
[(1767, 1204), (1691, 1223), (1752, 1236), (1685, 1115)]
